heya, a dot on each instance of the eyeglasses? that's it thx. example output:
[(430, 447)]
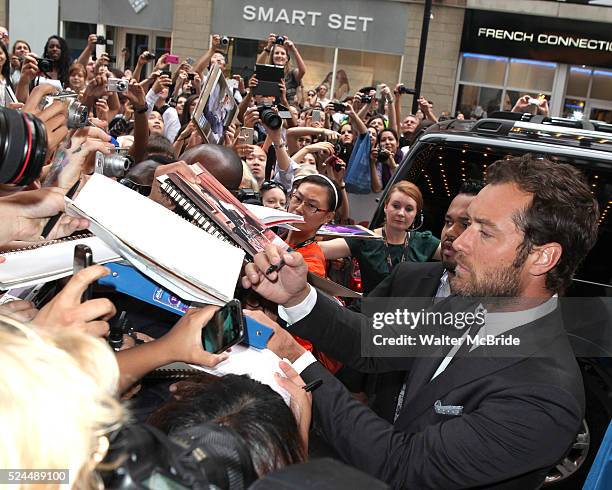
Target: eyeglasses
[(310, 94), (270, 184), (298, 200)]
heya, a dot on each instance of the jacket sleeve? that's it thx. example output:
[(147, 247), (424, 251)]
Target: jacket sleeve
[(516, 431)]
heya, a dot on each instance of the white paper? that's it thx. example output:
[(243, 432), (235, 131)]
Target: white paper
[(158, 234), (271, 216)]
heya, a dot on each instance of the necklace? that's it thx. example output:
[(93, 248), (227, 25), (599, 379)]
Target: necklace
[(388, 253)]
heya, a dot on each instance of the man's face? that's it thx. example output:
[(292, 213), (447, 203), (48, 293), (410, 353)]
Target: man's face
[(455, 223), (409, 124), (487, 249), (4, 36), (303, 141), (156, 123), (218, 59)]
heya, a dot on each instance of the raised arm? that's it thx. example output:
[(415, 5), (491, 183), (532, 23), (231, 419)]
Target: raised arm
[(204, 60), (83, 58)]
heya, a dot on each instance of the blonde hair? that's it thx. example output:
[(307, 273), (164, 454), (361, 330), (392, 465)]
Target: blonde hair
[(248, 179), (58, 390)]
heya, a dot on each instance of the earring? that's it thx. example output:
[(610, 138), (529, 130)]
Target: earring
[(413, 227)]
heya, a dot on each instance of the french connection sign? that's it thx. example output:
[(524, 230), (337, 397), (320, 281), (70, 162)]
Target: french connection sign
[(364, 25), (539, 38)]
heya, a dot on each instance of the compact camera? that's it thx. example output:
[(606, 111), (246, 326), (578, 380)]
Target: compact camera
[(339, 106), (366, 99), (117, 85), (115, 164), (383, 155), (280, 40), (77, 112), (102, 41), (150, 57), (45, 64), (225, 40)]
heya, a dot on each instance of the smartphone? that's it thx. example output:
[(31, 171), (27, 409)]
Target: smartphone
[(189, 60), (316, 115), (378, 92), (172, 59), (247, 135), (83, 257), (165, 72), (225, 328)]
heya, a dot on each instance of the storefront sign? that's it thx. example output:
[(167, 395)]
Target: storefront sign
[(364, 25), (538, 38)]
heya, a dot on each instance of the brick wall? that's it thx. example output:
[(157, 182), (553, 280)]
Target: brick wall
[(3, 17), (191, 27), (441, 58)]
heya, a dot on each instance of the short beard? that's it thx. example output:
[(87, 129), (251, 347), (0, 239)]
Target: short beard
[(501, 283)]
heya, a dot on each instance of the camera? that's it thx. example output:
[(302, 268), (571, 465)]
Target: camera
[(406, 90), (150, 57), (77, 112), (117, 85), (269, 117), (225, 40), (191, 76), (366, 99), (23, 147), (383, 155), (102, 41), (339, 106), (279, 40), (119, 126), (248, 196), (205, 456), (45, 64), (113, 165)]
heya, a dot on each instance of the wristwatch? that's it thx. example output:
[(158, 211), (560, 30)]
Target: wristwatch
[(141, 110)]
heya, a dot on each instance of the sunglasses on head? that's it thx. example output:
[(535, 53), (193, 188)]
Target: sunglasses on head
[(270, 184)]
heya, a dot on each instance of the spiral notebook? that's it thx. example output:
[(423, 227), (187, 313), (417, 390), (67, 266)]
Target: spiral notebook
[(48, 261)]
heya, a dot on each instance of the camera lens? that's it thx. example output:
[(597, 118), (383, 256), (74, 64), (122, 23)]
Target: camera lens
[(225, 40), (77, 115), (116, 165), (383, 156), (280, 40), (270, 118), (122, 85), (23, 147)]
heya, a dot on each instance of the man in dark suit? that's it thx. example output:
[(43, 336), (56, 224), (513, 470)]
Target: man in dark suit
[(469, 419)]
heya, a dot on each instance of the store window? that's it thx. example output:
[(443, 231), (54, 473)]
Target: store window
[(588, 94), (492, 83), (76, 34), (357, 69)]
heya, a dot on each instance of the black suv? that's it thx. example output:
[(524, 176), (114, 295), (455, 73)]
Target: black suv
[(452, 151)]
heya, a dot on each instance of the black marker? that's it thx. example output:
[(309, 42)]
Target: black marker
[(53, 221)]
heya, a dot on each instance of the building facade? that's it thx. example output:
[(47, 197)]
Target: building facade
[(481, 54)]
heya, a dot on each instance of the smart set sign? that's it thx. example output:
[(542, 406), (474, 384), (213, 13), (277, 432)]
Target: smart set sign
[(351, 24), (539, 38)]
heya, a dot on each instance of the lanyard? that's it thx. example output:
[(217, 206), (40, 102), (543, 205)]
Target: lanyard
[(305, 243), (388, 253)]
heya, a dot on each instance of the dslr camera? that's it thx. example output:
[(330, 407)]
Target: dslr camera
[(366, 99), (280, 40), (115, 164), (269, 117), (77, 112), (45, 64), (406, 90), (117, 85), (383, 155)]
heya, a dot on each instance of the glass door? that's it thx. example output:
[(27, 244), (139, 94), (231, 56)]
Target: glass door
[(132, 42), (601, 111)]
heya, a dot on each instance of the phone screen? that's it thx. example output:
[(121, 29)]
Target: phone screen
[(225, 328)]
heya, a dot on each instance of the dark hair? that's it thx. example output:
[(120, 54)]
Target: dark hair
[(6, 68), (377, 116), (387, 130), (159, 145), (256, 413), (562, 210), (269, 185), (62, 65), (420, 129), (186, 115), (329, 184), (471, 187)]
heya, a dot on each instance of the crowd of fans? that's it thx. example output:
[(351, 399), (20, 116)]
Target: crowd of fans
[(64, 386)]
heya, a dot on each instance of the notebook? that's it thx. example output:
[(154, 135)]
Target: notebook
[(48, 261), (214, 209), (273, 217), (183, 258)]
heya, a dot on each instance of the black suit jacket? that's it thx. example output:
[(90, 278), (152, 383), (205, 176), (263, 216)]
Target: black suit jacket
[(407, 280), (520, 414)]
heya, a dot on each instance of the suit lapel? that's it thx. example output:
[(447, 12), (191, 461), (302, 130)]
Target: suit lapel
[(536, 337)]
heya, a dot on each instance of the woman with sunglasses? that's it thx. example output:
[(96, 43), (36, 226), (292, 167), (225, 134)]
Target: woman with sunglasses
[(400, 239), (273, 195)]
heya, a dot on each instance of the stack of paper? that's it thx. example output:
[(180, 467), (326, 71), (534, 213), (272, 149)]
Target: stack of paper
[(273, 217), (181, 257)]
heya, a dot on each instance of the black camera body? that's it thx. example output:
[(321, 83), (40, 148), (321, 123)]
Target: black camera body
[(102, 41), (383, 155), (280, 40), (269, 117), (339, 106), (406, 90), (366, 99), (45, 64), (150, 57), (248, 196)]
